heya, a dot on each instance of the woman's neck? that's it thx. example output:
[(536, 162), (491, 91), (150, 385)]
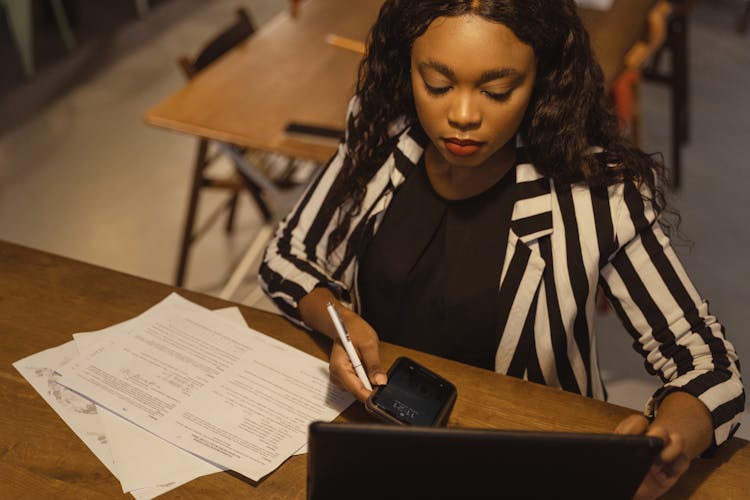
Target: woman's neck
[(457, 183)]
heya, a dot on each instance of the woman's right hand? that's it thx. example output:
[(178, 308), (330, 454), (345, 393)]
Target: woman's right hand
[(313, 311), (367, 345)]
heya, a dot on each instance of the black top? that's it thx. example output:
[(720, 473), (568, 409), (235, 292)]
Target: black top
[(429, 278)]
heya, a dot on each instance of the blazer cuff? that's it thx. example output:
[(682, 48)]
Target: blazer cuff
[(724, 414)]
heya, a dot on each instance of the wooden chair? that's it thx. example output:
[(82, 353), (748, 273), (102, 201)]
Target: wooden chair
[(261, 175), (676, 77), (625, 90)]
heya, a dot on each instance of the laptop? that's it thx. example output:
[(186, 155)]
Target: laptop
[(387, 461)]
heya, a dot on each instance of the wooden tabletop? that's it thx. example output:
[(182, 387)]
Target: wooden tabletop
[(287, 72), (45, 298)]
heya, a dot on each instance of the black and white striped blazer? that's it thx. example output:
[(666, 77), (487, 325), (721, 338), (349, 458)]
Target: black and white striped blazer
[(564, 242)]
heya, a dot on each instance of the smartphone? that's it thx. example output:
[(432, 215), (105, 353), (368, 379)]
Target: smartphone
[(413, 395)]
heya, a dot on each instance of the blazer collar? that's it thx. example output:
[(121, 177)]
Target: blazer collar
[(532, 210), (407, 153)]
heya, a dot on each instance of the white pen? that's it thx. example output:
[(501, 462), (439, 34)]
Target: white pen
[(348, 346)]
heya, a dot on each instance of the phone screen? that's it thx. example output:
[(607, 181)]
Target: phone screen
[(413, 395)]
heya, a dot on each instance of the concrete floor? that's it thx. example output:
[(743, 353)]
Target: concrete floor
[(84, 177)]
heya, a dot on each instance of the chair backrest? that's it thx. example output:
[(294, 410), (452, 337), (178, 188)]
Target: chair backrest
[(230, 37)]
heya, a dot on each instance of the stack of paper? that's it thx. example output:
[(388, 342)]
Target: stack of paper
[(180, 392)]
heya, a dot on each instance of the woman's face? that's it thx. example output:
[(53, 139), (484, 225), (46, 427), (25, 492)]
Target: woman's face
[(472, 81)]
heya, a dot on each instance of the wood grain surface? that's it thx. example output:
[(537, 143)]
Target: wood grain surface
[(45, 298), (285, 72)]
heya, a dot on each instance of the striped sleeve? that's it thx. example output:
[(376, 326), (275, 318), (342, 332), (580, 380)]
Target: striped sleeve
[(293, 263), (669, 321), (295, 260)]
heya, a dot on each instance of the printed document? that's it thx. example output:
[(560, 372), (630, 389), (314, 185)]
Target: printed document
[(226, 393), (143, 459), (81, 415)]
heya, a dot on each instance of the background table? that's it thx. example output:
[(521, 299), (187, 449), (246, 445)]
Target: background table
[(285, 72), (45, 298)]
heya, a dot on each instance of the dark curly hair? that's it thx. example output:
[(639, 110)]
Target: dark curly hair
[(568, 112)]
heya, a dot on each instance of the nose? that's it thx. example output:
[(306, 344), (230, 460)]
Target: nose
[(464, 113)]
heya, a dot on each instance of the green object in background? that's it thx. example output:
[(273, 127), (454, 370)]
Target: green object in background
[(22, 28)]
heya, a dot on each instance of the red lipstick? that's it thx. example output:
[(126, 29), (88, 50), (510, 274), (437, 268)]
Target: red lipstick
[(462, 147)]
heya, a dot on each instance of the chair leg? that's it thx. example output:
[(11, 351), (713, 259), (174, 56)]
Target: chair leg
[(232, 203), (258, 184), (257, 194), (680, 91), (677, 80), (187, 232)]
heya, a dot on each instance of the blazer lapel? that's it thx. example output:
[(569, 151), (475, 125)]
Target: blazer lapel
[(524, 265), (405, 156)]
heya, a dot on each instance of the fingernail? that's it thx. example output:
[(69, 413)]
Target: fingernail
[(381, 379)]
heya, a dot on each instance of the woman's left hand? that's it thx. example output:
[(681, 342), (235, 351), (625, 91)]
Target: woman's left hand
[(671, 464)]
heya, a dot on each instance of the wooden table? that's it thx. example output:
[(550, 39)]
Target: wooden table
[(45, 298), (286, 72)]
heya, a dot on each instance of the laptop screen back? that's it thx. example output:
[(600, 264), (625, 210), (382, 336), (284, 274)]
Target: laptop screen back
[(387, 461)]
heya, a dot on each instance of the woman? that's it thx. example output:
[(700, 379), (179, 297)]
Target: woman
[(480, 198)]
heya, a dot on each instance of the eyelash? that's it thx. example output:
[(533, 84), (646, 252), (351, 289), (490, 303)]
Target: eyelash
[(438, 91), (498, 97)]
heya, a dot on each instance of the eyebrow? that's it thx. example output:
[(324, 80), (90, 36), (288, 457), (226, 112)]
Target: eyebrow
[(487, 76)]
